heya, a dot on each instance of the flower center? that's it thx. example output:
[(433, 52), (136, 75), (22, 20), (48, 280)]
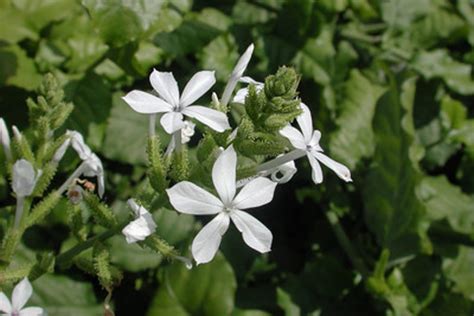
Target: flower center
[(228, 209), (15, 313), (309, 147)]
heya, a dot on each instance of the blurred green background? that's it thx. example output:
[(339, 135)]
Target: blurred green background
[(390, 86)]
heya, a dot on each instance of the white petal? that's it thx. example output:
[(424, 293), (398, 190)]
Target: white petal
[(188, 198), (241, 95), (146, 103), (140, 228), (77, 142), (342, 171), (24, 178), (243, 62), (223, 174), (317, 173), (255, 234), (172, 122), (32, 311), (286, 170), (294, 136), (134, 206), (5, 139), (255, 193), (207, 241), (199, 84), (314, 142), (166, 86), (21, 294), (214, 119), (5, 305), (59, 154), (249, 80), (100, 184), (305, 122)]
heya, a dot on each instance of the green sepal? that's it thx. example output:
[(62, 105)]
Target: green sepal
[(108, 276), (22, 149), (10, 276), (76, 223), (157, 166), (43, 208), (101, 213), (156, 243), (180, 165), (49, 171)]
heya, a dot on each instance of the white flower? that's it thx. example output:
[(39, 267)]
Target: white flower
[(237, 73), (242, 93), (142, 227), (92, 166), (188, 198), (59, 154), (24, 178), (187, 131), (308, 141), (175, 106), (5, 139), (21, 293)]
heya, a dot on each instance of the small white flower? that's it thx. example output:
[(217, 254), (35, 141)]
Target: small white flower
[(24, 178), (308, 141), (5, 139), (92, 164), (175, 106), (237, 73), (187, 131), (21, 293), (242, 93), (188, 198), (142, 227)]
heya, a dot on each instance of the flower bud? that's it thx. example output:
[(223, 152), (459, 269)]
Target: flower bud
[(24, 178)]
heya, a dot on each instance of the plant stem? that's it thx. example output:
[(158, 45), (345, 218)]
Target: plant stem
[(20, 205), (151, 130), (346, 244), (64, 258)]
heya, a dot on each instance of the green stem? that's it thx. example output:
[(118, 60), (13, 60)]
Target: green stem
[(66, 257), (346, 244)]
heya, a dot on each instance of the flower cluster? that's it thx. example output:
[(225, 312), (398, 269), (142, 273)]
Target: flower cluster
[(256, 189)]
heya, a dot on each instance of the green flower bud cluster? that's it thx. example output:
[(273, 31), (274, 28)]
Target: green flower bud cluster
[(266, 112)]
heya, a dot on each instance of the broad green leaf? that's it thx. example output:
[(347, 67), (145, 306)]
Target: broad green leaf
[(446, 201), (220, 55), (126, 134), (206, 290), (400, 13), (60, 295), (189, 37), (354, 138), (85, 51), (215, 18), (245, 312), (392, 209), (459, 270), (17, 69), (131, 257), (439, 64), (92, 100)]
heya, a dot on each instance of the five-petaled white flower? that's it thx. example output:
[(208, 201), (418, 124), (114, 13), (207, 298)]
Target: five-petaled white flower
[(24, 178), (92, 166), (5, 139), (140, 228), (175, 106), (308, 141), (21, 293), (188, 198)]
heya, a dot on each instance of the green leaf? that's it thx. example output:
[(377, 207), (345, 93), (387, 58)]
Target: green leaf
[(459, 270), (131, 257), (392, 209), (446, 201), (17, 69), (241, 312), (206, 290), (439, 64), (220, 55), (400, 13), (189, 37), (85, 51), (355, 138), (126, 134), (60, 296)]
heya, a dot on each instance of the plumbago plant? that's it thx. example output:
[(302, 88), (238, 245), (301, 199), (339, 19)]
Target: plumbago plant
[(240, 160)]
